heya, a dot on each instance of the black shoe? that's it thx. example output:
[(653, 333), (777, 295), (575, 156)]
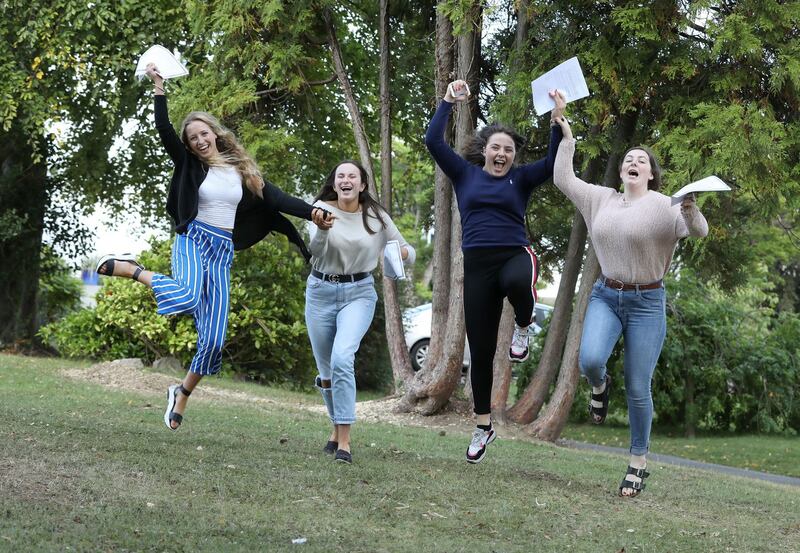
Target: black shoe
[(343, 456), (331, 447)]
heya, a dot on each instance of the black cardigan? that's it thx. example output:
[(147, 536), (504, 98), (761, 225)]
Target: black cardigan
[(255, 217)]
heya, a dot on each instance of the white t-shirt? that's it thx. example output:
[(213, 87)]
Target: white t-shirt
[(348, 248), (219, 196)]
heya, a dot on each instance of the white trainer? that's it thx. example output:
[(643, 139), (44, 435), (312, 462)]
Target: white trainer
[(518, 352), (477, 447)]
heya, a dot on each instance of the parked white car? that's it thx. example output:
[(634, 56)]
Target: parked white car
[(417, 323)]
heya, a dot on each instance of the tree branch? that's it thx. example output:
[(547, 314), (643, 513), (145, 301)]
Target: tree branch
[(284, 88)]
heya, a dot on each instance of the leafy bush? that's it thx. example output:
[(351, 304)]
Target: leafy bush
[(59, 291), (266, 333), (266, 341), (728, 363)]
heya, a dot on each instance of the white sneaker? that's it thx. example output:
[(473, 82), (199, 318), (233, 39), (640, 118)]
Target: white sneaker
[(518, 352), (477, 447)]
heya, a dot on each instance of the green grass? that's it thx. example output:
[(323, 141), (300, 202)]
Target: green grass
[(93, 469), (765, 453), (775, 454)]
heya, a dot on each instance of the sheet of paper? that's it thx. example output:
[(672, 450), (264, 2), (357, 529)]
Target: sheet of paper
[(168, 65), (393, 261), (567, 77), (708, 184)]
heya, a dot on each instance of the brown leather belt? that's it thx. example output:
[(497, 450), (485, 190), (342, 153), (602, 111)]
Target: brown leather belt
[(619, 285)]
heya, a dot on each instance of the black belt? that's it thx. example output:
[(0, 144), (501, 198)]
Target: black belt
[(355, 277), (619, 285)]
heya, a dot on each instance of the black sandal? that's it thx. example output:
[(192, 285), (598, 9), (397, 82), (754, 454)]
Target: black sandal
[(637, 487), (598, 414), (331, 447), (105, 266), (172, 395)]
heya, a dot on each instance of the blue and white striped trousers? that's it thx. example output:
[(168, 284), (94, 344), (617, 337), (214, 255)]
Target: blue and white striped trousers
[(200, 285)]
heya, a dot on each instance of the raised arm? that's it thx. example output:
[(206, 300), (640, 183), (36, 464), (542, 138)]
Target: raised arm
[(538, 172), (564, 177), (692, 222), (450, 162), (169, 138)]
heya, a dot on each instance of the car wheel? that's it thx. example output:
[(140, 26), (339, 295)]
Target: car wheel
[(419, 352)]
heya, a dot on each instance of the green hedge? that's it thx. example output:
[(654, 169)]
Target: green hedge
[(266, 341), (739, 359)]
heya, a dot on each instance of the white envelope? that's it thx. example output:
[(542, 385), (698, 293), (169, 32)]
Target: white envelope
[(168, 65), (393, 261), (708, 184), (566, 77)]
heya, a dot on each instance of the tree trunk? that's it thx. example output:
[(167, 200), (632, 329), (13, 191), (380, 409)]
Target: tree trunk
[(432, 387), (521, 37), (527, 407), (23, 201), (401, 363), (501, 380), (350, 99), (442, 200), (550, 424), (395, 335)]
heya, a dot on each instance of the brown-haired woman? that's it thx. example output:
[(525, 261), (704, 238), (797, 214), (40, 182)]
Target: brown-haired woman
[(219, 203), (340, 292), (492, 194), (634, 234)]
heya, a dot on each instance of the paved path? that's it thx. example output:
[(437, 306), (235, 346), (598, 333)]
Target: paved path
[(672, 460)]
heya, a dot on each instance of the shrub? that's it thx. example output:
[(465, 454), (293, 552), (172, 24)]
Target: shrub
[(266, 337), (266, 340), (59, 291)]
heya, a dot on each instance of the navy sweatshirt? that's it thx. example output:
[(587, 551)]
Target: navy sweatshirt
[(492, 208), (255, 217)]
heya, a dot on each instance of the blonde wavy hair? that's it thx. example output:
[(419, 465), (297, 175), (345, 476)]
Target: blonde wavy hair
[(231, 152)]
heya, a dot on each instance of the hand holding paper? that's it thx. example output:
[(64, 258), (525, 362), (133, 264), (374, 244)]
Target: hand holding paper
[(566, 78), (457, 91), (168, 65), (708, 184)]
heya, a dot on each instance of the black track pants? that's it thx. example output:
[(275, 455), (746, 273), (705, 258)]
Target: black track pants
[(490, 274)]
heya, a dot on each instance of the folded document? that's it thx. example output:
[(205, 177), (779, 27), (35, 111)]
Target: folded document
[(708, 184), (393, 261), (168, 65)]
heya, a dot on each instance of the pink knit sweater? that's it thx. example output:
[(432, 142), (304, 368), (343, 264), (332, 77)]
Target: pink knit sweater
[(634, 240)]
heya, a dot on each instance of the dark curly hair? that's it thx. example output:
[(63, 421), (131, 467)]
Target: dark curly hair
[(473, 150), (368, 203), (655, 167)]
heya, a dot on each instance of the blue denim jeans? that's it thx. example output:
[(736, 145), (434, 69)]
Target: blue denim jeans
[(640, 317), (337, 317)]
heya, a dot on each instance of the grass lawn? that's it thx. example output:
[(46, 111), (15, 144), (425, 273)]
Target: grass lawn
[(87, 468), (775, 454)]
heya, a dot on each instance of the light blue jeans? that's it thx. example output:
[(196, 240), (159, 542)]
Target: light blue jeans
[(640, 317), (337, 317)]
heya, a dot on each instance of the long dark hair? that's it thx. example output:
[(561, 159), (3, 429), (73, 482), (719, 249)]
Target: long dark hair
[(655, 167), (473, 150), (365, 199)]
